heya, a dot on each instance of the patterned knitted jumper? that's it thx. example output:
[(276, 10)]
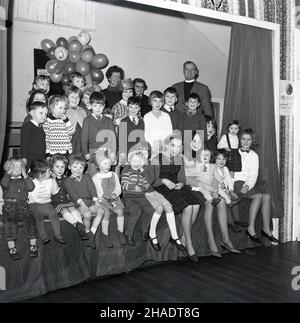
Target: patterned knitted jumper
[(58, 135)]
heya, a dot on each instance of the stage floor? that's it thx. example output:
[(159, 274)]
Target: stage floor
[(260, 275)]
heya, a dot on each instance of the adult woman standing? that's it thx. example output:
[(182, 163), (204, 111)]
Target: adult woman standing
[(246, 186)]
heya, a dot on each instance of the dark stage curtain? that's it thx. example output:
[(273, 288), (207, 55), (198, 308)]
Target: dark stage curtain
[(249, 98), (3, 74)]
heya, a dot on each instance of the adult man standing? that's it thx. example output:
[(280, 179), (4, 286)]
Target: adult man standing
[(190, 85)]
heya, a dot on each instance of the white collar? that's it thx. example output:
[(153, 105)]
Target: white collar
[(15, 177), (35, 123), (189, 81), (106, 175), (169, 109), (96, 117)]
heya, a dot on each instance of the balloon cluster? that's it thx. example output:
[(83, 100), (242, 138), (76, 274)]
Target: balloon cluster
[(73, 55)]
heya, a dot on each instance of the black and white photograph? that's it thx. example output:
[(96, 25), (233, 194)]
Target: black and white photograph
[(150, 154)]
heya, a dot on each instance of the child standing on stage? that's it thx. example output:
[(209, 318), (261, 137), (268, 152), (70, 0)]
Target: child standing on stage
[(40, 200), (109, 190), (230, 142), (58, 128), (33, 138), (61, 202), (16, 184), (158, 124)]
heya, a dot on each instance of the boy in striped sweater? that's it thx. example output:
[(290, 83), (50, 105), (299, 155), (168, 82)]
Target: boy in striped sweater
[(58, 128)]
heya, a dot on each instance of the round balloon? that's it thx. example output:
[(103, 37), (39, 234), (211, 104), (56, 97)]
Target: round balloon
[(83, 68), (61, 53), (99, 61), (72, 38), (75, 46), (51, 52), (69, 68), (46, 44), (59, 67), (74, 57), (97, 87), (65, 80), (56, 78), (96, 74), (87, 55), (84, 37), (62, 42), (51, 66)]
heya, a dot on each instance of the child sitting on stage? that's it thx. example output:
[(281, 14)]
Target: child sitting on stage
[(82, 190), (109, 190), (40, 200), (58, 128), (16, 184), (61, 202)]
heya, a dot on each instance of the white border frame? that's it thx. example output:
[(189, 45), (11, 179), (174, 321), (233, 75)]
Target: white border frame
[(214, 14)]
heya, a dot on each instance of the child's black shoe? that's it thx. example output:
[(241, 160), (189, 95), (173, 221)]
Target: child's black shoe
[(46, 240), (13, 252), (122, 238), (107, 241), (81, 230), (33, 251), (59, 239), (130, 241), (91, 237)]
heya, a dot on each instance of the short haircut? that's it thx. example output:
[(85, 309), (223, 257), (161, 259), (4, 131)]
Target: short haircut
[(221, 152), (41, 78), (78, 75), (73, 89), (55, 99), (211, 120), (58, 157), (12, 160), (171, 90), (114, 69), (233, 122), (134, 100), (139, 153), (76, 159), (155, 95), (193, 96), (139, 80), (39, 168), (36, 105), (32, 95), (97, 97)]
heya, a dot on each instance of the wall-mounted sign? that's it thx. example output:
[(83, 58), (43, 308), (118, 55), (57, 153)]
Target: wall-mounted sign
[(286, 97)]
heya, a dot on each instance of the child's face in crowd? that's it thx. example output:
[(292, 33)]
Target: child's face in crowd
[(246, 141), (39, 115), (220, 161), (133, 109), (205, 156), (42, 85), (233, 129), (59, 168), (77, 168), (196, 143), (59, 110), (73, 99), (115, 79), (78, 81), (170, 99), (156, 104), (139, 88), (46, 175), (136, 162), (174, 147), (86, 99), (126, 94), (39, 97), (105, 166), (98, 107), (192, 104), (210, 128)]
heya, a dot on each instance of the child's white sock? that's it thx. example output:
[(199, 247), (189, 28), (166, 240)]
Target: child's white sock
[(69, 218), (120, 223), (104, 225), (94, 230), (153, 224), (172, 224)]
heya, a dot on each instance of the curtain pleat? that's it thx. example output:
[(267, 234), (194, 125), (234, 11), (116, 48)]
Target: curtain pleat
[(249, 98)]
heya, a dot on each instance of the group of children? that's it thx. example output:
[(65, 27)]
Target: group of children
[(79, 158)]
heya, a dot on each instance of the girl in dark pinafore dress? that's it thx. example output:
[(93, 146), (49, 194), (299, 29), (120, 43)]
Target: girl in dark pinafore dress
[(230, 142)]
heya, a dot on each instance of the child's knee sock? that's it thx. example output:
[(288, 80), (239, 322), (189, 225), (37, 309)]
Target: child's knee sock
[(69, 218), (153, 224), (172, 224), (105, 224), (120, 223)]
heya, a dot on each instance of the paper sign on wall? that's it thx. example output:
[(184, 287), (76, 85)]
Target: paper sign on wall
[(286, 98)]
